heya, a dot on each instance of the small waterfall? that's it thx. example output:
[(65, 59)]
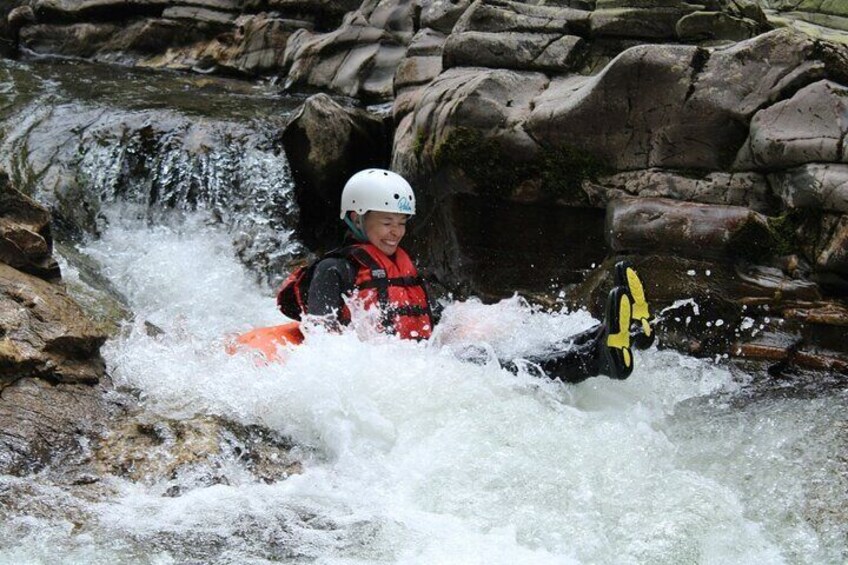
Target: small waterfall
[(77, 153)]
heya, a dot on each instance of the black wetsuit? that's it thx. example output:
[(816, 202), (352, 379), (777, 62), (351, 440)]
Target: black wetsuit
[(572, 360)]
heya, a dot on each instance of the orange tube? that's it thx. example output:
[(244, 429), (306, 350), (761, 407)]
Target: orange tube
[(268, 340)]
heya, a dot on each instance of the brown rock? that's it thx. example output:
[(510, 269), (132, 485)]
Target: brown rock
[(44, 333), (25, 240), (656, 225)]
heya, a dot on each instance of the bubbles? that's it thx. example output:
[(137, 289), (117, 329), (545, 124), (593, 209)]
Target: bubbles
[(414, 454)]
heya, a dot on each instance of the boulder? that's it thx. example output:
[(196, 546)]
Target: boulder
[(422, 63), (711, 26), (325, 144), (442, 15), (655, 21), (734, 189), (359, 59), (48, 425), (834, 255), (820, 187), (657, 225), (498, 16), (809, 127), (25, 240), (45, 333), (514, 50)]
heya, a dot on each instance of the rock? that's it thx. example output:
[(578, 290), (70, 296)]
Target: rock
[(44, 333), (673, 106), (25, 240), (834, 255), (325, 144), (189, 452), (359, 58), (48, 425), (659, 21), (442, 15), (73, 40), (513, 50), (810, 127), (423, 63), (734, 189), (701, 26), (813, 186), (656, 225), (497, 16)]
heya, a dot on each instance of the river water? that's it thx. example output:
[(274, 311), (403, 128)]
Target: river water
[(412, 455)]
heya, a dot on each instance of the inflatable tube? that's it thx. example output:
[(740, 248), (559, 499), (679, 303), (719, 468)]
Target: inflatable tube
[(267, 341)]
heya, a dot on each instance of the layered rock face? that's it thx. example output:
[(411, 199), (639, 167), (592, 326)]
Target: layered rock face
[(545, 138), (49, 351)]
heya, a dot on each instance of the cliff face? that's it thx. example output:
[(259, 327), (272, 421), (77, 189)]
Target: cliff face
[(544, 139)]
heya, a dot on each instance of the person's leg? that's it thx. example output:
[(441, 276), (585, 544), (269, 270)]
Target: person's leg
[(603, 349), (642, 333)]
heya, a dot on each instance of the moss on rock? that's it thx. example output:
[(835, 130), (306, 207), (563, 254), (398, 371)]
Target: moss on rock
[(489, 165)]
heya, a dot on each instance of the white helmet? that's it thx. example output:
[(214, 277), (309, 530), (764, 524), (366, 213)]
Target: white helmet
[(377, 190)]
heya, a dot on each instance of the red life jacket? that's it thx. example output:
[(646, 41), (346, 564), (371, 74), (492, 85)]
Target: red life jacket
[(393, 286), (396, 288)]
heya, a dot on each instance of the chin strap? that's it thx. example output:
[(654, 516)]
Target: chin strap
[(357, 229)]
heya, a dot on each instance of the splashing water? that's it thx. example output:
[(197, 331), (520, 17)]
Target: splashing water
[(413, 456)]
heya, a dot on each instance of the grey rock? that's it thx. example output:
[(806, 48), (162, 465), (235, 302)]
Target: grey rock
[(701, 26), (442, 15), (643, 23), (733, 189), (513, 50), (815, 186), (506, 16), (809, 127)]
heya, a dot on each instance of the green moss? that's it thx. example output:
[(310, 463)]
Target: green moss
[(418, 143), (780, 235), (495, 172), (753, 242)]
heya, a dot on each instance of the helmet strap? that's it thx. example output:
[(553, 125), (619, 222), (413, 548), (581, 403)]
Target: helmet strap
[(357, 229)]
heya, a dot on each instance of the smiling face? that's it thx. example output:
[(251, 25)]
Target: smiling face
[(384, 230)]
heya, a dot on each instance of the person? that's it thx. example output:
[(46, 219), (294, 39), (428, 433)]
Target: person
[(375, 270)]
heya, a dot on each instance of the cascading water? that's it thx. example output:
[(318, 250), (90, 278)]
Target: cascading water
[(411, 455)]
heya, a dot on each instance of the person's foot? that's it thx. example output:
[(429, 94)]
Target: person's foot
[(625, 275), (616, 357)]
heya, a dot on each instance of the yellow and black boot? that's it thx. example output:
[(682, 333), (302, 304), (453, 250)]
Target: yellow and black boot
[(643, 332), (616, 357)]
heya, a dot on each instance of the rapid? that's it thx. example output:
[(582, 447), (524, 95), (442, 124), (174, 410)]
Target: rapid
[(410, 453)]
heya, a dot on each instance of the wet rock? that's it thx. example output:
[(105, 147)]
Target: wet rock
[(325, 144), (188, 453), (25, 239), (810, 127), (834, 255), (655, 225), (44, 333), (46, 425)]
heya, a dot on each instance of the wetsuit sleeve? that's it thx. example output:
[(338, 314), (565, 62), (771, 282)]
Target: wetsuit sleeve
[(333, 278)]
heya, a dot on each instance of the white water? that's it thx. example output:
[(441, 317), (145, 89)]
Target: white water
[(414, 456)]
